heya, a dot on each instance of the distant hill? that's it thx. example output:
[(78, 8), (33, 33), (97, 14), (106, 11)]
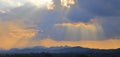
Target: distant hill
[(65, 49)]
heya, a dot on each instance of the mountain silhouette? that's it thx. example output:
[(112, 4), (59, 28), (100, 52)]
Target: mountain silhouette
[(65, 49)]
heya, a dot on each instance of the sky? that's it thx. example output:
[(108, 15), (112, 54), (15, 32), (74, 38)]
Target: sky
[(51, 23)]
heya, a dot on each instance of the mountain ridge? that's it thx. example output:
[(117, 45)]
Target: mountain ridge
[(64, 49)]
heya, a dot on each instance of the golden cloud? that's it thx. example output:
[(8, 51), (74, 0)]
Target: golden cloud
[(15, 35), (101, 44), (12, 33), (81, 24)]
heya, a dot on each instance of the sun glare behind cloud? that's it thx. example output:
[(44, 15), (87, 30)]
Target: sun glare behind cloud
[(46, 4), (41, 3)]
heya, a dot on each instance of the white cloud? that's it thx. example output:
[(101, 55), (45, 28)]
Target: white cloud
[(48, 4), (4, 11), (13, 3)]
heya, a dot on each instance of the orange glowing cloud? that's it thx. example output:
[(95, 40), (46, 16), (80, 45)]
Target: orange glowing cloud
[(15, 35), (81, 24), (12, 33), (102, 44)]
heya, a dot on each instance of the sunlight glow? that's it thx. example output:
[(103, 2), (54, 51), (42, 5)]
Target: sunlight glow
[(67, 3), (13, 34), (43, 3), (104, 44), (47, 4), (50, 3), (82, 31)]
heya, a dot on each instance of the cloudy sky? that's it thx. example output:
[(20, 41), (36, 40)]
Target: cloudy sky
[(86, 23)]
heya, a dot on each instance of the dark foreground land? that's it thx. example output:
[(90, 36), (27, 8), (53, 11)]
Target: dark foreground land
[(59, 55), (60, 52)]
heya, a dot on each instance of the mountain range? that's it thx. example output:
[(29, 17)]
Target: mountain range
[(65, 49)]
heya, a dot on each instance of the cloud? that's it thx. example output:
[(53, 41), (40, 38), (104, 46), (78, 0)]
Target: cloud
[(67, 3), (19, 36), (13, 33), (45, 19), (85, 10), (34, 16), (9, 4), (4, 11), (46, 4), (81, 24), (81, 31), (111, 26), (105, 44), (101, 7), (62, 24), (49, 4)]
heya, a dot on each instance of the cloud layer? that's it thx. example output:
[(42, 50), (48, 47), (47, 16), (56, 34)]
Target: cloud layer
[(106, 44), (71, 22), (11, 34)]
